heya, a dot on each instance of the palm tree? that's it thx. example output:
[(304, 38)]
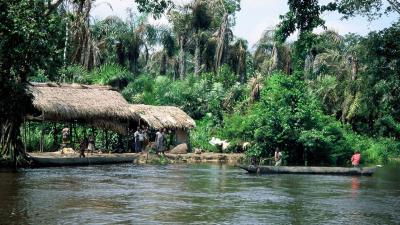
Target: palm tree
[(110, 33), (141, 35), (169, 45), (182, 29), (238, 59), (272, 56), (264, 48), (201, 20), (85, 50)]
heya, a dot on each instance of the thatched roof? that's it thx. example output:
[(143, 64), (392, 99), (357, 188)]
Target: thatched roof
[(76, 101), (157, 117), (98, 105), (101, 106)]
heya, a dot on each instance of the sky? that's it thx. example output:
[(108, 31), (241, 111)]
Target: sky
[(256, 16)]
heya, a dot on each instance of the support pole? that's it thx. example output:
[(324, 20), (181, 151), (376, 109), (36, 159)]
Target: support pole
[(24, 134), (76, 133), (107, 143), (54, 136), (42, 134), (70, 134), (127, 138)]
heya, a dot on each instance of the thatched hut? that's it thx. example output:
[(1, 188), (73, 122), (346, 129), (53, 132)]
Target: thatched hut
[(105, 108), (99, 106), (168, 117)]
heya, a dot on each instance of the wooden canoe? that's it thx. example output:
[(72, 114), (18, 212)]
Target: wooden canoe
[(366, 171), (49, 161)]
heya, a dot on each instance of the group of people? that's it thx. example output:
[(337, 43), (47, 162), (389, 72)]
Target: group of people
[(86, 145), (141, 140)]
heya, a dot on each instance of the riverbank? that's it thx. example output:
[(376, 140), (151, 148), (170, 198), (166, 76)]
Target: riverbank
[(72, 159)]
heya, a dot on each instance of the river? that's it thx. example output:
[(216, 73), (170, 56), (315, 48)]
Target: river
[(195, 194)]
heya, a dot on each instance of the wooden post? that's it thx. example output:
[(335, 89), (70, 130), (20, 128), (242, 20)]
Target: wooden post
[(107, 140), (84, 133), (70, 134), (54, 136), (42, 134), (127, 138), (76, 134), (94, 137), (24, 134)]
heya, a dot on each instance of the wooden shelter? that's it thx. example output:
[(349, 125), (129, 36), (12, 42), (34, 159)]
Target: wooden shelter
[(165, 117), (105, 108)]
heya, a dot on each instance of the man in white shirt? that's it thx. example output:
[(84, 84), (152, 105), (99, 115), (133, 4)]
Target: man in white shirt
[(141, 140), (136, 135)]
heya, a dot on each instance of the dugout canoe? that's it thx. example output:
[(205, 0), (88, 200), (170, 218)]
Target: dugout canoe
[(365, 171), (97, 159)]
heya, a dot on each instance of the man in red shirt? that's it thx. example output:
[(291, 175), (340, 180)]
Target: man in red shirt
[(355, 159)]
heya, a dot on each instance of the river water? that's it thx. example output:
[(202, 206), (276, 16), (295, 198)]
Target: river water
[(195, 194)]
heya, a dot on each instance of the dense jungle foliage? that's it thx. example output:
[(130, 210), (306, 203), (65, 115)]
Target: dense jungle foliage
[(318, 98)]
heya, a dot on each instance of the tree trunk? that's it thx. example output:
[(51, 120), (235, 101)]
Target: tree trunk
[(176, 69), (197, 57), (241, 67), (182, 58), (11, 146), (163, 67), (308, 65), (221, 42), (66, 43), (120, 54), (147, 55), (275, 59), (133, 65), (354, 68)]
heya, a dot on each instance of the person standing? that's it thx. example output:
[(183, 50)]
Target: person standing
[(355, 159), (90, 146), (278, 157), (65, 137), (160, 141), (137, 142), (82, 148), (141, 140), (146, 138)]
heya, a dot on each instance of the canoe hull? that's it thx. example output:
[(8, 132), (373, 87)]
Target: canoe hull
[(74, 161), (367, 171)]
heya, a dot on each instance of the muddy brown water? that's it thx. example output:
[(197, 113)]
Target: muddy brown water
[(194, 194)]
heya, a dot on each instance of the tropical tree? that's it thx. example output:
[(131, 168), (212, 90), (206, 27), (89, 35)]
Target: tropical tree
[(369, 8), (182, 29), (237, 55), (201, 20), (25, 47), (271, 56), (169, 48)]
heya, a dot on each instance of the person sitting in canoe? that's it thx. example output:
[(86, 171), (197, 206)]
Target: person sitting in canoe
[(278, 157), (355, 159)]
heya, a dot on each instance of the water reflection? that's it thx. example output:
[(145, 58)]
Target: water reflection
[(11, 198), (197, 194), (355, 186)]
